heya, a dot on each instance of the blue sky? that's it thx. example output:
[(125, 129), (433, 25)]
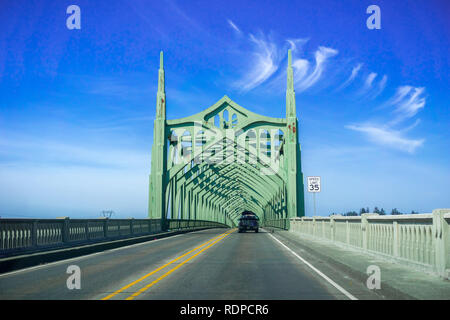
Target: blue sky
[(77, 106)]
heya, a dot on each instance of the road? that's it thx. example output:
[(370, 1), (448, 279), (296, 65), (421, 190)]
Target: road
[(203, 265)]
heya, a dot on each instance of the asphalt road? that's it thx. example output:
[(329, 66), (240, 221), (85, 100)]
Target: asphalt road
[(204, 265)]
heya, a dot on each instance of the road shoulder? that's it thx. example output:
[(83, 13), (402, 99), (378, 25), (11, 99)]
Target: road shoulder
[(348, 268)]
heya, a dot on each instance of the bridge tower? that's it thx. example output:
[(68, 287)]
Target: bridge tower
[(159, 152), (295, 189)]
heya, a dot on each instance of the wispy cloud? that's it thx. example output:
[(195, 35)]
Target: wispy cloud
[(385, 136), (265, 61), (371, 88), (407, 101), (176, 9), (375, 88), (267, 54), (352, 77), (296, 44), (300, 67), (234, 26), (381, 86), (368, 83), (409, 128), (321, 56)]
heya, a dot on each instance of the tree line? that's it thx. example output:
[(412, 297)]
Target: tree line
[(381, 212)]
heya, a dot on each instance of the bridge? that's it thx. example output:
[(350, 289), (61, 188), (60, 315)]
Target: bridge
[(224, 160), (206, 170)]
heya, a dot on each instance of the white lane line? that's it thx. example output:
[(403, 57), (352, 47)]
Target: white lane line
[(334, 284), (86, 256)]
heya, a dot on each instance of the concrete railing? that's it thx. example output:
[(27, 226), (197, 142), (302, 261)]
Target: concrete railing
[(420, 240), (23, 235)]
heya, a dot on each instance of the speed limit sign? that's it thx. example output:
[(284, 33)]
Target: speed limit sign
[(313, 184)]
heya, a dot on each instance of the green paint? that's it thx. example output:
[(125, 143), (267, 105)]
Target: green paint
[(224, 160)]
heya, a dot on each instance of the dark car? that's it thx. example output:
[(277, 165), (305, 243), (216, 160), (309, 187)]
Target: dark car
[(248, 222)]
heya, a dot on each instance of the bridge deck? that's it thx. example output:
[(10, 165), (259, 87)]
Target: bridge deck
[(221, 264), (238, 266)]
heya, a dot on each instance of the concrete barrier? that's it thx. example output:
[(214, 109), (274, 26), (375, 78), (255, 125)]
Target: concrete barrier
[(418, 240), (16, 262), (20, 236)]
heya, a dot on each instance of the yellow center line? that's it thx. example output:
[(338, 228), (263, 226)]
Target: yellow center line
[(134, 295), (162, 267)]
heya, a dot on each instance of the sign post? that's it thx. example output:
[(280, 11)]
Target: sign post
[(313, 184)]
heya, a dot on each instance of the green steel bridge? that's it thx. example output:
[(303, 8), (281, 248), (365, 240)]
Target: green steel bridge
[(224, 160), (206, 170)]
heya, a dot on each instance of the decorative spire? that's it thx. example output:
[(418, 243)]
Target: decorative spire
[(161, 87), (290, 72), (161, 95), (289, 58), (290, 93)]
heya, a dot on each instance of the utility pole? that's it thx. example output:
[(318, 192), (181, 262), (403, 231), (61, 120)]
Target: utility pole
[(107, 213)]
